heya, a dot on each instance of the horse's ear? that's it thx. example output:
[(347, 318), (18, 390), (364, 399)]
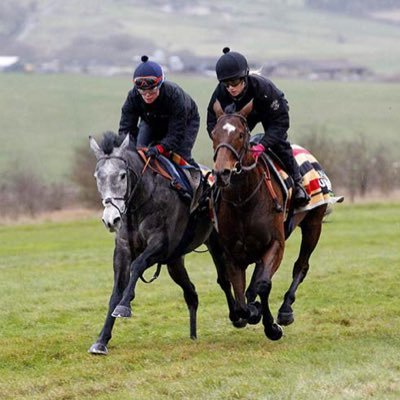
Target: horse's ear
[(246, 110), (125, 143), (95, 147), (218, 109), (118, 151)]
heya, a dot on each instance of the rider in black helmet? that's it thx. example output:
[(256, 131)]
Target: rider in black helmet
[(236, 88)]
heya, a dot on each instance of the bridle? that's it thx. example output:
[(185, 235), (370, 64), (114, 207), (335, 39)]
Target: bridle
[(130, 191), (238, 167)]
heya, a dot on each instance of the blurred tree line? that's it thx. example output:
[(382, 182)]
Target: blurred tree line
[(355, 168)]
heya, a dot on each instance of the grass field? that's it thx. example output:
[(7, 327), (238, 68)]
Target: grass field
[(45, 117), (344, 344)]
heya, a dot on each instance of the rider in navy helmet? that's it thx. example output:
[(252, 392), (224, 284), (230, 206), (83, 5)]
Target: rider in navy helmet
[(237, 88), (159, 114)]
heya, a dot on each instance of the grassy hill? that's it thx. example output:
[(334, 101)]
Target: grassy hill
[(45, 117), (113, 32)]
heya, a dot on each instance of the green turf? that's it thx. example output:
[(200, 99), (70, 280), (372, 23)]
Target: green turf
[(45, 117), (55, 283)]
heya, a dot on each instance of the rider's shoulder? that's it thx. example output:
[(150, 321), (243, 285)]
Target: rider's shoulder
[(263, 85), (172, 89), (258, 80)]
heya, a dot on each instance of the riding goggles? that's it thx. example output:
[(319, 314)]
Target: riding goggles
[(148, 82), (232, 82)]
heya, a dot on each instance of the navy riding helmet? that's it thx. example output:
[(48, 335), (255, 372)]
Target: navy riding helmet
[(231, 65), (148, 74)]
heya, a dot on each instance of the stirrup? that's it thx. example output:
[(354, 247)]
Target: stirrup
[(304, 199)]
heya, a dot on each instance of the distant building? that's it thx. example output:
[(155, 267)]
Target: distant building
[(9, 63), (316, 70)]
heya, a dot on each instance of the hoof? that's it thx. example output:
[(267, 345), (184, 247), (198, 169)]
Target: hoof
[(275, 332), (122, 312), (255, 313), (240, 323), (285, 318), (98, 349)]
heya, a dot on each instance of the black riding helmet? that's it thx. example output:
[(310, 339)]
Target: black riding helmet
[(231, 65)]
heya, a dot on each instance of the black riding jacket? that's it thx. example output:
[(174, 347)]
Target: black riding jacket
[(269, 107), (168, 115)]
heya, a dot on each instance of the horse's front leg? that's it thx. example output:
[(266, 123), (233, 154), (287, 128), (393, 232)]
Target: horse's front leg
[(121, 262), (221, 262), (251, 295), (270, 263), (150, 256), (237, 276)]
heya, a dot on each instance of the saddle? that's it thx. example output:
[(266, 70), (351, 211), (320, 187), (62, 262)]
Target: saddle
[(185, 178), (315, 181)]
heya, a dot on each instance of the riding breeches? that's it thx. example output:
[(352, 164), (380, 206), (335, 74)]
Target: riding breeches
[(284, 151)]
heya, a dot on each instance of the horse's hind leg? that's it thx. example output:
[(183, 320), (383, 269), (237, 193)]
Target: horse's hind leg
[(310, 231), (180, 276)]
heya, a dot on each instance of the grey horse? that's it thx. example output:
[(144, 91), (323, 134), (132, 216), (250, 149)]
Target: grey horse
[(152, 225)]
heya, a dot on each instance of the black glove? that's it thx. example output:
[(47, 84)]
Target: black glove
[(153, 152)]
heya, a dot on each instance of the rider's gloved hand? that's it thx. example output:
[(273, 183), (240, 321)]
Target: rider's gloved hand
[(155, 151), (257, 150)]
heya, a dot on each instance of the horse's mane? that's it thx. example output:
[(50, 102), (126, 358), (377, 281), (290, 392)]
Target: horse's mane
[(110, 140)]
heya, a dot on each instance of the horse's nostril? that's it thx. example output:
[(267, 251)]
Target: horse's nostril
[(221, 172), (116, 220)]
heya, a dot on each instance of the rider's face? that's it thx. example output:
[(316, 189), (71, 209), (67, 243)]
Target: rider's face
[(235, 88), (149, 96)]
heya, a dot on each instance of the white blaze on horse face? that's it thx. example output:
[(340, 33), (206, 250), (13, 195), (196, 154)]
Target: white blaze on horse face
[(229, 128)]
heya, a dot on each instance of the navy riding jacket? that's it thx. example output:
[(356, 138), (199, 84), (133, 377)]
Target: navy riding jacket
[(168, 115), (270, 108)]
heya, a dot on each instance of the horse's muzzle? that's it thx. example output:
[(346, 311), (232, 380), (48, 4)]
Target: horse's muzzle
[(111, 219), (222, 177)]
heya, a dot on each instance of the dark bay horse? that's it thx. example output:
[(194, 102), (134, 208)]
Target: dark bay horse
[(153, 226), (251, 228)]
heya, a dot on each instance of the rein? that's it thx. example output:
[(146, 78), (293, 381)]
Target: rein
[(247, 199), (128, 198)]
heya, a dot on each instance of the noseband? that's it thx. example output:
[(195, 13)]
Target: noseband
[(130, 191)]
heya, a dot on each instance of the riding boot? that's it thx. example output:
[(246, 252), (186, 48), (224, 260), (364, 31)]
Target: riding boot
[(301, 197), (285, 153)]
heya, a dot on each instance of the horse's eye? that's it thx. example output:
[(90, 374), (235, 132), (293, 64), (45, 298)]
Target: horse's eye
[(123, 175)]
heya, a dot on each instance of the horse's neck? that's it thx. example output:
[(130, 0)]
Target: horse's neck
[(146, 187), (243, 185)]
